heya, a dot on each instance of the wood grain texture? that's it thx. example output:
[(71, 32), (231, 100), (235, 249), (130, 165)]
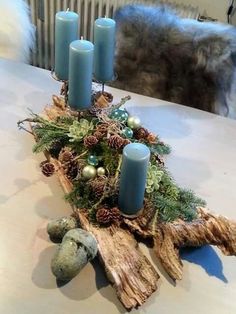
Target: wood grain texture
[(170, 237)]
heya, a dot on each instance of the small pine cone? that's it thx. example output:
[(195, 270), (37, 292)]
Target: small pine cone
[(102, 128), (71, 170), (48, 169), (141, 133), (115, 214), (103, 216), (116, 141), (126, 142), (98, 135), (90, 141), (65, 156), (42, 163), (152, 138), (98, 186)]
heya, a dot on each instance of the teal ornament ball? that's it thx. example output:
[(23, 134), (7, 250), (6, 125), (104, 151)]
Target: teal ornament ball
[(101, 171), (120, 115), (127, 132), (134, 122), (92, 160), (89, 172)]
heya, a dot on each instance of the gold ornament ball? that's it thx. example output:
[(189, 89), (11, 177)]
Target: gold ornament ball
[(134, 122), (89, 172), (101, 171)]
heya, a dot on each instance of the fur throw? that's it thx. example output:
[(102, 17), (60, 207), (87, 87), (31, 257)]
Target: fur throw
[(16, 30), (180, 60)]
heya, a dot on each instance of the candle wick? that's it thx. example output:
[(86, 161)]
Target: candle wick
[(67, 10)]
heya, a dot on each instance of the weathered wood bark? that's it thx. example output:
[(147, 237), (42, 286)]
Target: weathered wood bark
[(170, 237), (130, 272)]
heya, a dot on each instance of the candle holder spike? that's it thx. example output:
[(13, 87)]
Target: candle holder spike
[(115, 77)]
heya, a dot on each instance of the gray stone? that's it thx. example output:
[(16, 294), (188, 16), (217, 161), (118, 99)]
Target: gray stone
[(59, 227), (78, 247)]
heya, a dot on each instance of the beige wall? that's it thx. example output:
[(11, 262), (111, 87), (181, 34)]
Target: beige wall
[(214, 8)]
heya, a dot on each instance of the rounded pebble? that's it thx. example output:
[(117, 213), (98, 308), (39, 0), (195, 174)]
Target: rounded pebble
[(59, 227), (78, 247)]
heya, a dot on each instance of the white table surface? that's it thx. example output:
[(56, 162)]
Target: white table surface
[(203, 159)]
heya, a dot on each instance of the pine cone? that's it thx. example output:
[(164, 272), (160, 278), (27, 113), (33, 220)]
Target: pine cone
[(116, 142), (103, 216), (152, 138), (71, 170), (48, 168), (115, 214), (65, 156), (98, 135), (102, 128), (90, 141), (141, 133), (98, 186), (126, 142)]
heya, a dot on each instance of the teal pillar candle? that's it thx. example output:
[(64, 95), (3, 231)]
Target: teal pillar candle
[(66, 31), (104, 47), (80, 74), (133, 176)]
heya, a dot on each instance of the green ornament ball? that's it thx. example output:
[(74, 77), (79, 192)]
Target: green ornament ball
[(134, 122), (120, 115), (89, 172), (101, 171), (127, 132), (92, 160)]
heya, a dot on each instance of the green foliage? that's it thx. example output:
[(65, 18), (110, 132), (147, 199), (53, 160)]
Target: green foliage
[(110, 158), (79, 129), (47, 136), (160, 148), (80, 196), (170, 210), (172, 202), (154, 176)]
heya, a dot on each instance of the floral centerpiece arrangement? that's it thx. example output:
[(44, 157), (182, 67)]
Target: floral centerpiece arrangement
[(84, 148)]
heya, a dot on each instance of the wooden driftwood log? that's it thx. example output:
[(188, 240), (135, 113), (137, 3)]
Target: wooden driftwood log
[(170, 237), (128, 269)]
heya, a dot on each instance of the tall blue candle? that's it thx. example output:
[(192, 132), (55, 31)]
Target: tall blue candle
[(80, 74), (104, 46), (133, 176), (66, 31)]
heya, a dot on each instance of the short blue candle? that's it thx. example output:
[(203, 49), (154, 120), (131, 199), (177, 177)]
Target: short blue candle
[(80, 74), (104, 47), (133, 176), (66, 31)]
